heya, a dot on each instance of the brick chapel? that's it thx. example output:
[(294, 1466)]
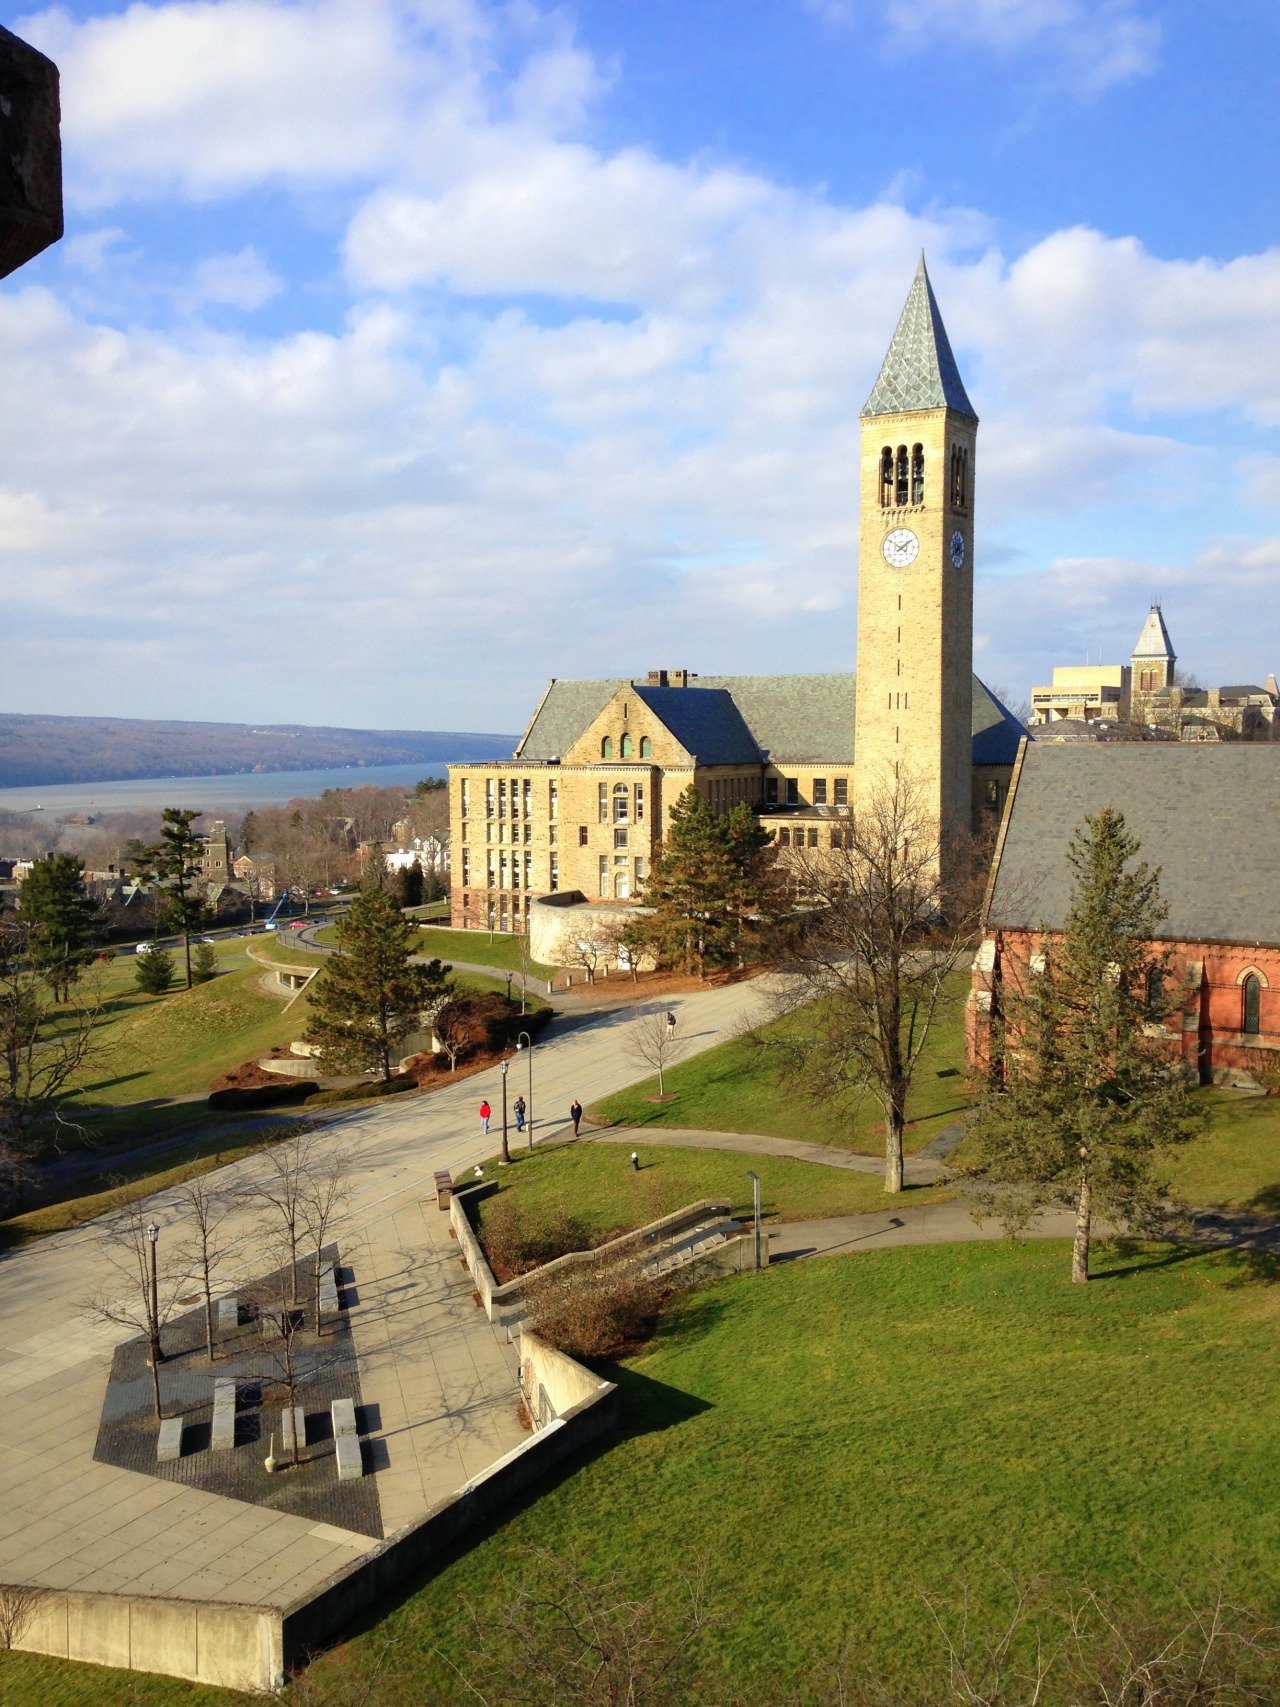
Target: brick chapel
[(573, 817)]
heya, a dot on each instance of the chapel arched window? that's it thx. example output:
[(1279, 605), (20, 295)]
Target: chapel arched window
[(1252, 1006)]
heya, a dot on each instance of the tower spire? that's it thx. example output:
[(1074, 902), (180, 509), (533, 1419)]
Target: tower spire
[(919, 372)]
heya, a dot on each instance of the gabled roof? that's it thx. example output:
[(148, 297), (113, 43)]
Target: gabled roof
[(919, 371), (1208, 814), (705, 721), (791, 719), (1154, 641)]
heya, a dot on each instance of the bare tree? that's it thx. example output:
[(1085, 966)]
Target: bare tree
[(206, 1209), (325, 1195), (282, 1193), (280, 1323), (571, 1638), (151, 1283), (452, 1029), (884, 922), (653, 1041), (42, 1054), (589, 950), (18, 1603)]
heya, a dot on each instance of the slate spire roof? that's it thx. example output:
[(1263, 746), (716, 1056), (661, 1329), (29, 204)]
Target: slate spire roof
[(1154, 641), (919, 371)]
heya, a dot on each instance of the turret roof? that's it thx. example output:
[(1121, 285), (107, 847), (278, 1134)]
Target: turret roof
[(919, 371), (1154, 641)]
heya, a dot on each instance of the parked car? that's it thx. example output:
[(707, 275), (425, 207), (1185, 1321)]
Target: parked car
[(297, 924)]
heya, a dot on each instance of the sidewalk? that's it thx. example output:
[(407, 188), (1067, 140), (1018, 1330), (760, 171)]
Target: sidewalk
[(924, 1168)]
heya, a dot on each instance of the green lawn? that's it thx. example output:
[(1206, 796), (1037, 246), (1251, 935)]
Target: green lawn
[(839, 1433), (1237, 1165), (597, 1183), (476, 947), (736, 1087)]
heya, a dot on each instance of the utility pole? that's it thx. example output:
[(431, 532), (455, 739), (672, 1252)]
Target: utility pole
[(506, 1153)]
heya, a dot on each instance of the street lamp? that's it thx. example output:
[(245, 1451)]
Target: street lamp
[(153, 1315), (506, 1153), (755, 1192), (524, 1041)]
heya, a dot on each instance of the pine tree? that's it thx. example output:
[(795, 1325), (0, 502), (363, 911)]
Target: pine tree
[(63, 920), (1082, 1100), (173, 865), (370, 995), (154, 972), (710, 876)]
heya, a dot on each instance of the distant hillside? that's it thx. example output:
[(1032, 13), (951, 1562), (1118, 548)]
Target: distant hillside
[(36, 750)]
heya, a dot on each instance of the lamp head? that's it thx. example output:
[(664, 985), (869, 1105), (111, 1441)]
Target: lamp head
[(153, 1232), (754, 1176)]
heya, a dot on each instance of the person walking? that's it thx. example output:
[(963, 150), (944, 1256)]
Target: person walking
[(635, 1160), (519, 1114), (575, 1114), (485, 1114)]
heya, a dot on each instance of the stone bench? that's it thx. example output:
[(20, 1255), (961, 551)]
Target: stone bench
[(329, 1305), (224, 1416), (228, 1314), (346, 1442), (444, 1188), (293, 1425), (169, 1445)]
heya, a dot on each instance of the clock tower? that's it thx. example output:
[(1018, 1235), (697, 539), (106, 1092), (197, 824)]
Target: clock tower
[(915, 575)]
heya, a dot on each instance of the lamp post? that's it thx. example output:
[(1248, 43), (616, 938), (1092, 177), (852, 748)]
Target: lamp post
[(755, 1192), (524, 1041), (506, 1153), (153, 1316)]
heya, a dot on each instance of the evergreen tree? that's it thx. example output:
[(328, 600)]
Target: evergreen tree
[(370, 995), (204, 962), (1081, 1101), (411, 885), (155, 971), (173, 865), (711, 875), (63, 921)]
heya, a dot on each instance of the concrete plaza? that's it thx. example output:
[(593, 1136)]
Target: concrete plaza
[(437, 1378)]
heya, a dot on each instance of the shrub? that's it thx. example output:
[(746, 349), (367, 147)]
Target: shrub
[(514, 1242), (154, 971), (263, 1096), (601, 1310), (372, 1088), (204, 962)]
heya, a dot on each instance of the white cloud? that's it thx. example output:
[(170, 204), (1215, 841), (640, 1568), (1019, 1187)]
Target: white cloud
[(243, 280), (1095, 42)]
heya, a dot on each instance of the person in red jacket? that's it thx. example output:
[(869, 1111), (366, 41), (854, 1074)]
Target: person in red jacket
[(485, 1113)]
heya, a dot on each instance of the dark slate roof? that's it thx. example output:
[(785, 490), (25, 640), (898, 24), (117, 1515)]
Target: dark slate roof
[(919, 371), (1207, 814), (1154, 641), (793, 719), (705, 721)]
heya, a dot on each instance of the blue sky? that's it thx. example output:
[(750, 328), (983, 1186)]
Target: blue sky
[(403, 353)]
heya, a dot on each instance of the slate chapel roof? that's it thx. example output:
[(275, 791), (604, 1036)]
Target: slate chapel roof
[(919, 372), (1207, 813), (727, 720)]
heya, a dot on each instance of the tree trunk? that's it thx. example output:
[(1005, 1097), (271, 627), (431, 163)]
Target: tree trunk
[(208, 1318), (893, 1124), (1084, 1217), (186, 948)]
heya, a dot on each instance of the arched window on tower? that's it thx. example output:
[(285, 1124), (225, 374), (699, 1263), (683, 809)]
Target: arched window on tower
[(901, 493), (1252, 1006), (886, 477), (959, 477), (917, 474)]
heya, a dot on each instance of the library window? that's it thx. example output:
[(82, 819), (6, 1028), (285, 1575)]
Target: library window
[(819, 791), (842, 791)]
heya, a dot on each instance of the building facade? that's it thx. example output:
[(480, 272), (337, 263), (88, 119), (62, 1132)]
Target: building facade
[(580, 807), (1209, 817), (1090, 693)]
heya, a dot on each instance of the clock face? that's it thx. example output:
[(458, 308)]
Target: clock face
[(957, 549), (900, 548)]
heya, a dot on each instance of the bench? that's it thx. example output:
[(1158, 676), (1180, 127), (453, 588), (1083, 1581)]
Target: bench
[(329, 1305), (293, 1425), (346, 1442), (444, 1188), (224, 1416), (228, 1314), (169, 1445)]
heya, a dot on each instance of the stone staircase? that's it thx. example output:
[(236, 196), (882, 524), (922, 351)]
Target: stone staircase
[(685, 1247)]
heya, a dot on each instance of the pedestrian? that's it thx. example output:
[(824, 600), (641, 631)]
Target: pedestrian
[(575, 1114), (519, 1113), (671, 1024), (635, 1160), (485, 1114)]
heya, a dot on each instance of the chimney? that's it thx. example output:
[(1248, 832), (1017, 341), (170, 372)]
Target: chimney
[(1215, 697), (656, 679), (679, 678)]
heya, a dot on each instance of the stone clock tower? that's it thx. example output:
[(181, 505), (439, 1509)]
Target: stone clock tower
[(915, 574)]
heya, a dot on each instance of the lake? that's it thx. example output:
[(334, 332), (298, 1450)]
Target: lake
[(208, 793)]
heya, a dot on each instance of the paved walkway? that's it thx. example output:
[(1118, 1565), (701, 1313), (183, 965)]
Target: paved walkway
[(924, 1168), (440, 1380)]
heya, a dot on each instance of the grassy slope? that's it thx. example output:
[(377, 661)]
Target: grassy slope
[(597, 1182), (475, 947), (1237, 1165), (735, 1088), (843, 1431)]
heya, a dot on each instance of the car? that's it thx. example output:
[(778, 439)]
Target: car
[(144, 948), (298, 924)]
